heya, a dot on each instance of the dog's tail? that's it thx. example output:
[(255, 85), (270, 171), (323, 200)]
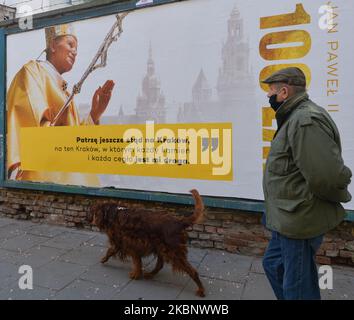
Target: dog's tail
[(197, 215)]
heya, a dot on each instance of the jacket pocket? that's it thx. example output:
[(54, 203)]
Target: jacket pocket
[(279, 164), (289, 205)]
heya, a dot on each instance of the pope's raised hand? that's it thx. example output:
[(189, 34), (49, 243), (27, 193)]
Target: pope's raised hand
[(100, 100)]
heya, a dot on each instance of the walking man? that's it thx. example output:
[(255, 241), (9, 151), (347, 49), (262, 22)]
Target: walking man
[(305, 181)]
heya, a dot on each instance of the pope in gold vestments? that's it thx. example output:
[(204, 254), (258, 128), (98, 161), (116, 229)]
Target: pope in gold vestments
[(35, 96)]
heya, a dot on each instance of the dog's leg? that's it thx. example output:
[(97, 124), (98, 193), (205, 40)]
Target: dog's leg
[(110, 252), (184, 265), (137, 268), (158, 267)]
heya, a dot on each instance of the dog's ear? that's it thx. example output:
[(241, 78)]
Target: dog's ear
[(92, 211), (109, 214), (98, 213)]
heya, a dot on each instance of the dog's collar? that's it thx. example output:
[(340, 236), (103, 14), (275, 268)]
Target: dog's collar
[(121, 209)]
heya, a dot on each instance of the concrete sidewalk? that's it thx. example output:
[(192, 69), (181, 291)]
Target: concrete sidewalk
[(66, 265)]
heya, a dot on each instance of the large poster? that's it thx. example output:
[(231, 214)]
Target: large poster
[(183, 106)]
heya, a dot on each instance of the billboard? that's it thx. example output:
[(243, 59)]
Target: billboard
[(181, 102)]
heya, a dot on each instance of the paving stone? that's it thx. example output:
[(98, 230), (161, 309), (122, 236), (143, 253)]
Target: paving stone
[(257, 287), (22, 224), (46, 230), (68, 240), (343, 288), (85, 290), (225, 266), (11, 230), (148, 290), (84, 255), (149, 262), (214, 290), (6, 255), (8, 274), (26, 223), (83, 232), (108, 274), (343, 270), (22, 242), (196, 255), (36, 256), (257, 266), (100, 240), (57, 274), (5, 222), (13, 292)]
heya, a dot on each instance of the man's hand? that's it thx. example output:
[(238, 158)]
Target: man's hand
[(100, 100)]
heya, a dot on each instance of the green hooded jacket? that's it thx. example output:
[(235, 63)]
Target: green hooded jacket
[(305, 178)]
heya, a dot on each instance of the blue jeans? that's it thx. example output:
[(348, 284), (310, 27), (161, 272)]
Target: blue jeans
[(291, 269)]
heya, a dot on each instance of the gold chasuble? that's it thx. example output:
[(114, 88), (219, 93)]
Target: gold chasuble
[(35, 96)]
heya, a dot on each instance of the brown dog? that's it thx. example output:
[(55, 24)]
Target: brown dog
[(140, 233)]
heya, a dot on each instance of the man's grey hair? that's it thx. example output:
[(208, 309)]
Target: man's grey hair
[(294, 89)]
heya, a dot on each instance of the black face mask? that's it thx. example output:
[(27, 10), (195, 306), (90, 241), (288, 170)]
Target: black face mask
[(274, 103)]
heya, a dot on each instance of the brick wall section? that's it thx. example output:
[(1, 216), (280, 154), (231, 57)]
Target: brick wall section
[(230, 230)]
